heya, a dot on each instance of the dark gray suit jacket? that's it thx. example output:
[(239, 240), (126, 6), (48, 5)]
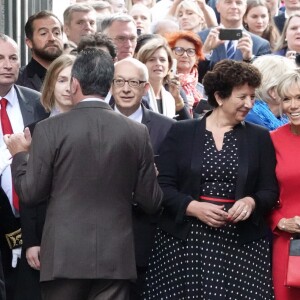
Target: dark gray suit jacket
[(280, 21), (32, 111), (90, 165), (144, 224)]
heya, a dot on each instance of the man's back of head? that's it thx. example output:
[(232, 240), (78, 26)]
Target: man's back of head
[(122, 30), (79, 20), (92, 74), (100, 41), (9, 63)]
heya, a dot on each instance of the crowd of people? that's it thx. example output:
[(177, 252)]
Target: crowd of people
[(148, 150)]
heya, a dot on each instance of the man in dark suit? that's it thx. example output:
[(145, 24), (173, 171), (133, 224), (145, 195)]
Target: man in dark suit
[(291, 7), (89, 165), (128, 101), (45, 40), (22, 107), (246, 48)]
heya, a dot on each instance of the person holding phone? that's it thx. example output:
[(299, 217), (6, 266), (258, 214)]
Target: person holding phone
[(187, 51), (240, 48)]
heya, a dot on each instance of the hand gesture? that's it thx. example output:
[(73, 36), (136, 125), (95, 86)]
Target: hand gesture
[(33, 257), (291, 225), (245, 45), (18, 142), (241, 210), (210, 214), (212, 41)]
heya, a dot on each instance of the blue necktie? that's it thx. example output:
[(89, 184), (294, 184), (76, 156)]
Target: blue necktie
[(230, 50)]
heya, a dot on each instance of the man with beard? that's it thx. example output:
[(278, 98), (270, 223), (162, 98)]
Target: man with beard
[(44, 38)]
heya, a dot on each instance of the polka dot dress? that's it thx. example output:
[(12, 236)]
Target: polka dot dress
[(210, 264)]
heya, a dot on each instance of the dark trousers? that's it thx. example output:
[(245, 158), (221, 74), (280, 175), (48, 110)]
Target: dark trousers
[(2, 286), (85, 289)]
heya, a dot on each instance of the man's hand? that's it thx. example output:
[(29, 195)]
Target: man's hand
[(33, 257), (245, 45), (212, 41), (18, 142), (5, 158)]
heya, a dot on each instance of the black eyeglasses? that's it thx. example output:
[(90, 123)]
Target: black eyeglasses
[(189, 51), (133, 83)]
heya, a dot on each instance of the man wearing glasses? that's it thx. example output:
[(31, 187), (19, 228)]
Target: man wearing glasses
[(130, 84), (122, 30)]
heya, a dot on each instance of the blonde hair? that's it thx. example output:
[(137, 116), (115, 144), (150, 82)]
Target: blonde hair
[(287, 80), (151, 47), (60, 63), (271, 67), (282, 42), (193, 6)]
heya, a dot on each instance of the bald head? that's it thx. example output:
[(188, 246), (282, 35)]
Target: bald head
[(130, 85), (9, 63)]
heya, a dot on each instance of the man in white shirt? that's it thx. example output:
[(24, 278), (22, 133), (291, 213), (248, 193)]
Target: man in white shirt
[(22, 107)]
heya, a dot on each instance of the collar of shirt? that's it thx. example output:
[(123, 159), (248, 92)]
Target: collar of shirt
[(11, 97), (136, 116)]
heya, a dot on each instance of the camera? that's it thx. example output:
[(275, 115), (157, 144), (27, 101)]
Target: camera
[(230, 34)]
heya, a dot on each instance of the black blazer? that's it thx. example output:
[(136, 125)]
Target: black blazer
[(28, 76), (280, 21), (144, 224), (32, 111), (180, 164)]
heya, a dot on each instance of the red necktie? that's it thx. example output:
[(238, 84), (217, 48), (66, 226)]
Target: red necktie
[(7, 129)]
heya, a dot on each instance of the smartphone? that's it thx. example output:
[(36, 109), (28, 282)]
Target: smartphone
[(174, 67), (230, 34)]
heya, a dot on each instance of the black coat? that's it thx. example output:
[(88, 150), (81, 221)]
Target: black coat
[(180, 164)]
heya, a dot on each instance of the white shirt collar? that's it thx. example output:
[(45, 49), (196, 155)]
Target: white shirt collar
[(11, 96), (136, 116)]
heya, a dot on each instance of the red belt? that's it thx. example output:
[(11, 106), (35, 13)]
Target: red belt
[(208, 198)]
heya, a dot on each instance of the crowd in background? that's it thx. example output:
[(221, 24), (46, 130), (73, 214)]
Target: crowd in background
[(217, 85)]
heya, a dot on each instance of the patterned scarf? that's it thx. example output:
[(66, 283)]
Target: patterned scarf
[(188, 83)]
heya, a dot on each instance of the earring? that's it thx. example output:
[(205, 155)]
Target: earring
[(246, 26)]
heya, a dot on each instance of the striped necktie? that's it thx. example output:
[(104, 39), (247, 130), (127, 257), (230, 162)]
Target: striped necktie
[(230, 50)]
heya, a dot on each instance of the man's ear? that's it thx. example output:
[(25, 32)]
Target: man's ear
[(28, 43), (74, 85), (146, 88), (66, 30)]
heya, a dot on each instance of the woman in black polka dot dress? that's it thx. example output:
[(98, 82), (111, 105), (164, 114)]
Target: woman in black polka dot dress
[(218, 179)]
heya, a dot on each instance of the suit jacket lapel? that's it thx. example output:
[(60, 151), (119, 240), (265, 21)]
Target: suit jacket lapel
[(146, 120), (27, 110), (197, 155)]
